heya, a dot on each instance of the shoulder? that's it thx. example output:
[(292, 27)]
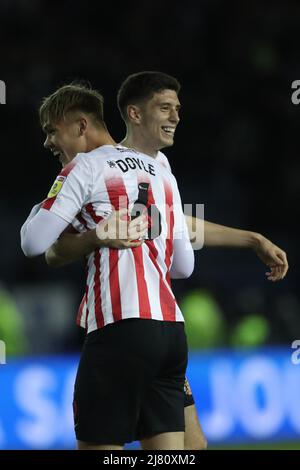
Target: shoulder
[(92, 160), (163, 160), (107, 152)]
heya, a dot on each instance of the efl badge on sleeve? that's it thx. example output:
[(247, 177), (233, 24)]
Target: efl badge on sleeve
[(56, 187)]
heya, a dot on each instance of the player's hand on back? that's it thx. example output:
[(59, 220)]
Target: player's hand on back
[(118, 231)]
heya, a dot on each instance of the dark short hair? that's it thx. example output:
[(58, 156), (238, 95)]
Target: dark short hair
[(141, 86), (70, 98)]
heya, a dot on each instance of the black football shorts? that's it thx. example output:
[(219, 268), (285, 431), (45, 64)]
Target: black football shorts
[(130, 382)]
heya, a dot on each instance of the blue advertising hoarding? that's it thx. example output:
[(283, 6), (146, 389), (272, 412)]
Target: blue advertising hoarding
[(243, 396)]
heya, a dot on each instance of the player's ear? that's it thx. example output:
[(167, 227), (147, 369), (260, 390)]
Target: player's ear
[(134, 114), (82, 125)]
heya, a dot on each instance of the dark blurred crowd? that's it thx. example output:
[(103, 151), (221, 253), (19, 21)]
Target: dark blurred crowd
[(236, 149)]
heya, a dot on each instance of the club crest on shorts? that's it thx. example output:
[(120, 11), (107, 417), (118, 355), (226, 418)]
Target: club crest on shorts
[(56, 187), (187, 388)]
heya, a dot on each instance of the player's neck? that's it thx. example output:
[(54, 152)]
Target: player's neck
[(99, 138), (139, 145)]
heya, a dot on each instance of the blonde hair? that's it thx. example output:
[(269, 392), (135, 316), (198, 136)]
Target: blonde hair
[(72, 98)]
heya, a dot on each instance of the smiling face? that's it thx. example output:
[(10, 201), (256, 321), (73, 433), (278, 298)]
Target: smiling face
[(67, 116), (159, 117), (64, 139)]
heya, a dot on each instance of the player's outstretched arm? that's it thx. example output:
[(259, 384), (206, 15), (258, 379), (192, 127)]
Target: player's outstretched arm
[(114, 232), (210, 234)]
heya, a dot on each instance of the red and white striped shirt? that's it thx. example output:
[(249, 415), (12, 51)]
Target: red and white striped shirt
[(161, 158), (131, 283)]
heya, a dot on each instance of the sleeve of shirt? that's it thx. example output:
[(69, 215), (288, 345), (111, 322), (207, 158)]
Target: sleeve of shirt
[(183, 259), (71, 189), (77, 227), (183, 255), (40, 232), (33, 212), (69, 193), (180, 227)]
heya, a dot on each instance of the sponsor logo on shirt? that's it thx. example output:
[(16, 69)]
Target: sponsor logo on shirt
[(56, 187)]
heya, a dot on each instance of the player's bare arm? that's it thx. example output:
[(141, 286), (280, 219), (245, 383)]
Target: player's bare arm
[(71, 247), (114, 232), (219, 235)]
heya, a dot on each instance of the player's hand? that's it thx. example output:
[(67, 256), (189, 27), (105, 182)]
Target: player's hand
[(118, 231), (274, 257)]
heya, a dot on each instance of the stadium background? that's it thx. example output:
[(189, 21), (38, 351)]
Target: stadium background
[(236, 151)]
